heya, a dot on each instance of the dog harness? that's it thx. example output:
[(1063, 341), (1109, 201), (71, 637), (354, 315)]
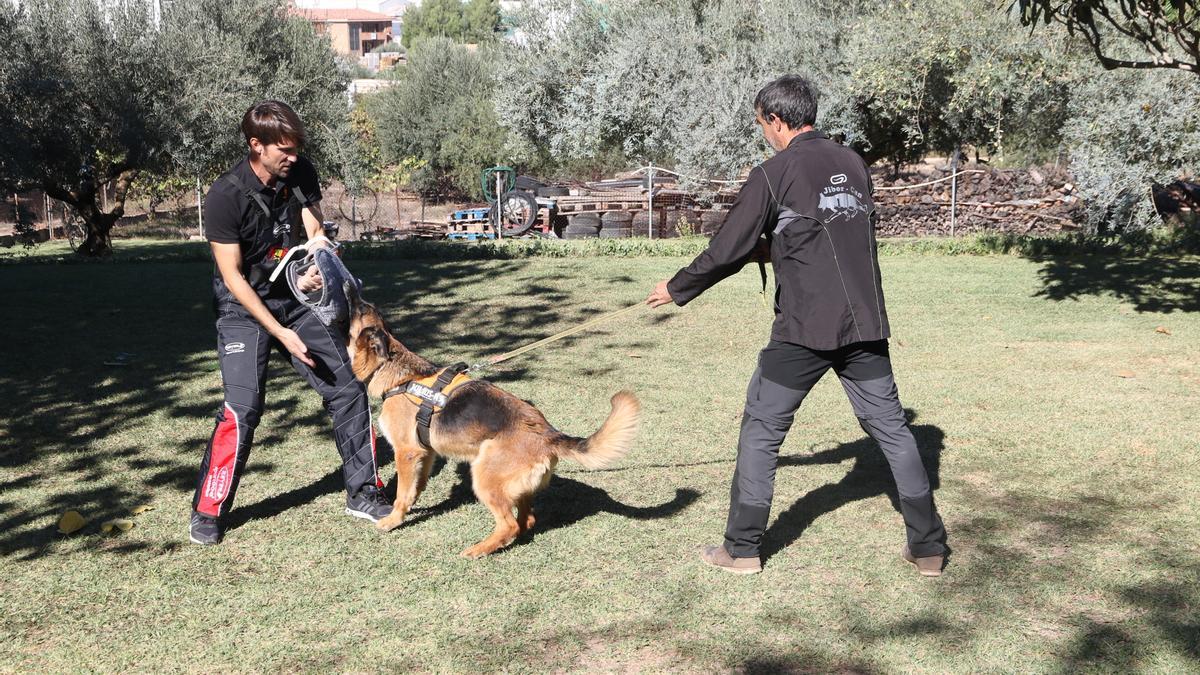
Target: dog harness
[(430, 394)]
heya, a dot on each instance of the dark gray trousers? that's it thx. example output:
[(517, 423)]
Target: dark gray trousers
[(785, 374)]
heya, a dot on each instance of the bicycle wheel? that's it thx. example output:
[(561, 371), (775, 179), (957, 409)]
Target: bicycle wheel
[(75, 228), (520, 212), (358, 210)]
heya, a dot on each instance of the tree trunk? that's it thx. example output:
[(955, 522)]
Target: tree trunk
[(99, 224)]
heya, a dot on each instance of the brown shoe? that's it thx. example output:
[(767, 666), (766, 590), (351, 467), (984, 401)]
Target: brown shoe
[(718, 557), (930, 566)]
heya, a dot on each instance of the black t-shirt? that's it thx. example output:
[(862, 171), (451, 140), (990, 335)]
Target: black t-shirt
[(264, 227)]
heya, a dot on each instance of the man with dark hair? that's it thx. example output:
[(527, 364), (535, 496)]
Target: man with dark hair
[(812, 201), (256, 211)]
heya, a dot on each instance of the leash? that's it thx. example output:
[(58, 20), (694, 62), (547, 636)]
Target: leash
[(557, 336)]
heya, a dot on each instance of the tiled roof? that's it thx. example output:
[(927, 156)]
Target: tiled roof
[(340, 15)]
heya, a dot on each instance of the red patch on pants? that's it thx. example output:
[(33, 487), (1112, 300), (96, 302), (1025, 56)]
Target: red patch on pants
[(221, 463)]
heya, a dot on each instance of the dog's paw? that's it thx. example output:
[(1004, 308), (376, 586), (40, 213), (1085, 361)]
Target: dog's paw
[(388, 524), (475, 552)]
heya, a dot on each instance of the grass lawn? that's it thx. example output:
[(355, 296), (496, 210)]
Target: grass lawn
[(1061, 430)]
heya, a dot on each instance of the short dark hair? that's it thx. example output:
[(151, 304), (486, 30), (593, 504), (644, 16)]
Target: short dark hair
[(791, 98), (273, 122)]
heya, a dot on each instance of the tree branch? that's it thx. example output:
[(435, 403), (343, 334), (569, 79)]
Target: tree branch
[(124, 181), (69, 196)]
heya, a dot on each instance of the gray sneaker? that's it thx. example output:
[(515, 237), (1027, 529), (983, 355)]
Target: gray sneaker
[(205, 530), (369, 504), (718, 557)]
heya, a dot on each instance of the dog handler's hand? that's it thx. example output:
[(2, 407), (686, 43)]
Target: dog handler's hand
[(660, 295), (310, 280), (295, 346)]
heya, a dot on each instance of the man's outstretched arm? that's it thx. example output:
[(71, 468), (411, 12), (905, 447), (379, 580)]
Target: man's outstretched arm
[(728, 250)]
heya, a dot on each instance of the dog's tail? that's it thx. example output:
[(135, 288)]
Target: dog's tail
[(611, 441)]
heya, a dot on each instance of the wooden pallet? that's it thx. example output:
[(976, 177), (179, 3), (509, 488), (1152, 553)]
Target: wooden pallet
[(475, 214), (470, 236)]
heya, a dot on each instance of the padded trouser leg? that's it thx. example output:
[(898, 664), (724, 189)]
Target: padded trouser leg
[(243, 349), (345, 398)]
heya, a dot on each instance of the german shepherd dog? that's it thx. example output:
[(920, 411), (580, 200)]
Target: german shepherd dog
[(511, 447)]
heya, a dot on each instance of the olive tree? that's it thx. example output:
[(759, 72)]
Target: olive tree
[(438, 118), (933, 76), (1127, 131), (95, 92), (1165, 33)]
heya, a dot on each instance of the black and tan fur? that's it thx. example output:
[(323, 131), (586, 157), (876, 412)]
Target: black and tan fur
[(511, 447)]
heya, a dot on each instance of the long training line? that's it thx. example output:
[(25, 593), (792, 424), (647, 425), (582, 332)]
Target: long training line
[(560, 335)]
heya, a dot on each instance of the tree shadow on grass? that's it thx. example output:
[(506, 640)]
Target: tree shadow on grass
[(1159, 284), (869, 477), (1167, 608), (65, 406), (277, 504), (564, 502)]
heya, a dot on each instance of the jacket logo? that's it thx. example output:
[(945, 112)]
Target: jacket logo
[(837, 179), (840, 206)]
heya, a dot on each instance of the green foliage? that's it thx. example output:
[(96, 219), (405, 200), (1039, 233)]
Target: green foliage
[(584, 79), (477, 21), (388, 48), (1127, 131), (1163, 34), (481, 20), (556, 42), (101, 85), (438, 117), (976, 80)]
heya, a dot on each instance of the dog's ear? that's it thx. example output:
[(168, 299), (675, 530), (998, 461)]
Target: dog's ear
[(377, 340)]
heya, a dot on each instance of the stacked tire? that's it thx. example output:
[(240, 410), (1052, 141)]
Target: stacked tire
[(616, 225), (641, 223), (682, 221), (582, 226), (711, 221)]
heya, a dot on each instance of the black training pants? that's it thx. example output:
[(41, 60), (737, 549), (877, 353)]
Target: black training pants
[(244, 348), (785, 374)]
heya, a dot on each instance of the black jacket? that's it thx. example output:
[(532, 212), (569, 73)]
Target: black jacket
[(813, 201)]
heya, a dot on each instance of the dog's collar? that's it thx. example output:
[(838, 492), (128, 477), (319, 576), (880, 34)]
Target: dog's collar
[(371, 376)]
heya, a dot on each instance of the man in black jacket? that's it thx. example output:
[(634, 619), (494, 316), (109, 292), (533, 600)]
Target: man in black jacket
[(812, 201)]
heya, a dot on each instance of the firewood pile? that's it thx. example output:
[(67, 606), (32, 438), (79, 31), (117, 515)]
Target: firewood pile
[(1018, 201)]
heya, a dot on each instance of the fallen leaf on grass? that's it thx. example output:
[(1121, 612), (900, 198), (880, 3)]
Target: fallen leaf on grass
[(142, 509), (117, 524), (71, 522), (634, 356), (1163, 330), (1126, 373)]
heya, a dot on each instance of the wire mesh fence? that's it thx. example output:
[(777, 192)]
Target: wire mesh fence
[(649, 202)]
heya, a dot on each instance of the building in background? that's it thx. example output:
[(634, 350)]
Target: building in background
[(393, 9), (352, 32)]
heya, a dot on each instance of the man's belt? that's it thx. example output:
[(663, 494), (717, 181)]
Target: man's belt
[(430, 395)]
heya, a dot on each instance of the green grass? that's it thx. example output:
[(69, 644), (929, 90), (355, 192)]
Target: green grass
[(1070, 493)]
